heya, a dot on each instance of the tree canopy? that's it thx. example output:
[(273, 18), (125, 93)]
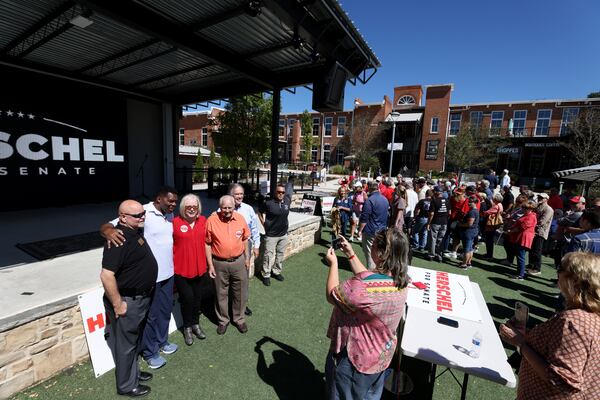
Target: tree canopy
[(308, 140), (364, 141), (245, 129), (473, 148), (585, 137)]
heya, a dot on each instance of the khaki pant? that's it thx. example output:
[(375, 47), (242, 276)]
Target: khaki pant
[(231, 275), (367, 243), (273, 259)]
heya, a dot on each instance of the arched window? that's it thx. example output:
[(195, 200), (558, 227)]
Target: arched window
[(406, 100)]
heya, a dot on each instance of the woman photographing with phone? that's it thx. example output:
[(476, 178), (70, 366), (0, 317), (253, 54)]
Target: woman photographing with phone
[(367, 311), (561, 357)]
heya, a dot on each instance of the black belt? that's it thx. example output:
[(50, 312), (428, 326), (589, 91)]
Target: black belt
[(232, 259), (133, 292)]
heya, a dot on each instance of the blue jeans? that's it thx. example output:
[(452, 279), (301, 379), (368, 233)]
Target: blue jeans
[(156, 331), (521, 260), (344, 382), (419, 233)]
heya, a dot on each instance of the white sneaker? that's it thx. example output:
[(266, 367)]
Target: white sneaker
[(351, 239), (359, 238), (451, 254)]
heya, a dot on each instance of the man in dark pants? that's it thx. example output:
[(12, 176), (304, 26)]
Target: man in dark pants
[(545, 213), (128, 276)]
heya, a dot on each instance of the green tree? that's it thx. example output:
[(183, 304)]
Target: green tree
[(308, 140), (364, 140), (213, 160), (593, 94), (199, 166), (245, 129), (584, 140), (473, 148)]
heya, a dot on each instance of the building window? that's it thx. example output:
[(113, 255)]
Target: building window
[(454, 123), (181, 136), (205, 137), (328, 123), (282, 127), (314, 153), (519, 120), (326, 153), (496, 122), (542, 125), (339, 155), (406, 100), (316, 126), (569, 116), (476, 119), (341, 126), (435, 122), (291, 123)]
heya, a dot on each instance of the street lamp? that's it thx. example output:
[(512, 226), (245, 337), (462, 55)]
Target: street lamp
[(393, 115)]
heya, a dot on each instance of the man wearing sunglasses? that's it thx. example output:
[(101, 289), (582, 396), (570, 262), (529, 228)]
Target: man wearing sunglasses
[(128, 276), (158, 232), (273, 215)]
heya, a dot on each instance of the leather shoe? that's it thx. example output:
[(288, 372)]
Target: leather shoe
[(266, 281), (197, 330), (221, 329), (187, 336), (278, 277), (144, 376), (248, 311), (243, 328), (139, 391)]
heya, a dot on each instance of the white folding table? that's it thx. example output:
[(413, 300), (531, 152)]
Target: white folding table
[(426, 339)]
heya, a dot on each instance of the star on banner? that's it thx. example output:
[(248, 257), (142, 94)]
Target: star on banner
[(20, 114), (9, 113), (30, 116)]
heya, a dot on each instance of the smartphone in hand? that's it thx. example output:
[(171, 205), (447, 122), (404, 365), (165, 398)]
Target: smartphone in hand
[(336, 243), (521, 315)]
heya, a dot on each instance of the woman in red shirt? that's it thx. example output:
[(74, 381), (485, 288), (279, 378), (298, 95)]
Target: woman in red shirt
[(521, 235), (189, 257)]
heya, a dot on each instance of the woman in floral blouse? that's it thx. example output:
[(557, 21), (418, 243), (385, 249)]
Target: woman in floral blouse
[(366, 313), (561, 357)]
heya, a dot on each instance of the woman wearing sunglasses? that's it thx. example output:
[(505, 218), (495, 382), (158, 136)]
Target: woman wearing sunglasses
[(561, 357), (189, 258)]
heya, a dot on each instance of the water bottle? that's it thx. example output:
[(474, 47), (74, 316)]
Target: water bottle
[(475, 345)]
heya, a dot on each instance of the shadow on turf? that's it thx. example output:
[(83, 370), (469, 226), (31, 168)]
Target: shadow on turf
[(291, 374), (543, 313)]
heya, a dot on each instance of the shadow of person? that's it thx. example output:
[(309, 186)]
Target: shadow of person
[(291, 374)]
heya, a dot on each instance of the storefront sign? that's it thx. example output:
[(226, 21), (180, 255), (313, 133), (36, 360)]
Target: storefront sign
[(431, 149), (444, 293), (508, 150), (551, 144)]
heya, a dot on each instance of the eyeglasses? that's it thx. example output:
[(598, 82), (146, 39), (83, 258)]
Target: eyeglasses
[(138, 215), (281, 192), (191, 207)]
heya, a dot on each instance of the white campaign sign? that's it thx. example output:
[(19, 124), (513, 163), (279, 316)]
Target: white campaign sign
[(327, 203), (94, 325), (446, 293)]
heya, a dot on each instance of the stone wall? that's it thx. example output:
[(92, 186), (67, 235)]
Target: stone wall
[(39, 349), (35, 351)]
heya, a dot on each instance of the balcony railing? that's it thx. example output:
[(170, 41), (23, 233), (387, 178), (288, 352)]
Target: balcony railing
[(552, 130)]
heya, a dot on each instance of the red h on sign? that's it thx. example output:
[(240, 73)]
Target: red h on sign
[(93, 323)]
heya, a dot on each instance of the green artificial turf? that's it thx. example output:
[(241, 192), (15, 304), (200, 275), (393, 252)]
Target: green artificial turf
[(283, 353)]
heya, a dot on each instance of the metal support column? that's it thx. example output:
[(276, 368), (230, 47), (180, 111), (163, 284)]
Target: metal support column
[(275, 138)]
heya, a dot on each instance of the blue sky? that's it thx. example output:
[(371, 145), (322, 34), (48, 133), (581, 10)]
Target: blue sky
[(491, 50)]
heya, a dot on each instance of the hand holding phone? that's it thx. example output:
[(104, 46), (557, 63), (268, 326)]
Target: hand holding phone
[(336, 243)]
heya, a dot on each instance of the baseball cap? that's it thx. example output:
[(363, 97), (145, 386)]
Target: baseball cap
[(357, 184), (437, 189), (471, 189), (543, 195), (578, 199), (378, 179)]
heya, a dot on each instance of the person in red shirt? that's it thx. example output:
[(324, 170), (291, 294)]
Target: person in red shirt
[(555, 201), (386, 189), (521, 234), (189, 259)]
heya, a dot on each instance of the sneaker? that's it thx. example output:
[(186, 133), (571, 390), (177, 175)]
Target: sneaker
[(351, 239), (464, 266), (439, 258), (169, 348), (156, 362), (266, 281), (429, 257), (278, 277), (506, 262), (451, 254), (516, 277), (533, 271), (359, 238)]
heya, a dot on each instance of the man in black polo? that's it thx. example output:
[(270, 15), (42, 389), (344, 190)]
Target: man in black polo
[(273, 215), (128, 276)]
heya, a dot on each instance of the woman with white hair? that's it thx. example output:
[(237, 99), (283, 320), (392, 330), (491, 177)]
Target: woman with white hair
[(189, 258)]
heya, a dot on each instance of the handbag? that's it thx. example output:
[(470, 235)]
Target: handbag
[(494, 220)]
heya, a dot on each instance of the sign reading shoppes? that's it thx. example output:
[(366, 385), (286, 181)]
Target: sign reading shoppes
[(61, 138)]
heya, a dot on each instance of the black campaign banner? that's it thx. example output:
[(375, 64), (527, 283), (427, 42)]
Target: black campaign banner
[(61, 142)]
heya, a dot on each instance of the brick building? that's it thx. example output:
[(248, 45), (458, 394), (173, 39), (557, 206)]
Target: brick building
[(425, 119)]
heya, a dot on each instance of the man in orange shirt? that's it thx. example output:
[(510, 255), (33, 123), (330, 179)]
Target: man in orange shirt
[(228, 260)]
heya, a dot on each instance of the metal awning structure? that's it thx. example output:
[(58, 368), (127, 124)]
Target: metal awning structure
[(183, 51), (584, 174), (406, 117)]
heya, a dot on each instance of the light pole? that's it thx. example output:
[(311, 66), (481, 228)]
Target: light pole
[(393, 116)]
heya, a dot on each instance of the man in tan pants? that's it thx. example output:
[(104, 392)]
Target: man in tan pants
[(228, 260)]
